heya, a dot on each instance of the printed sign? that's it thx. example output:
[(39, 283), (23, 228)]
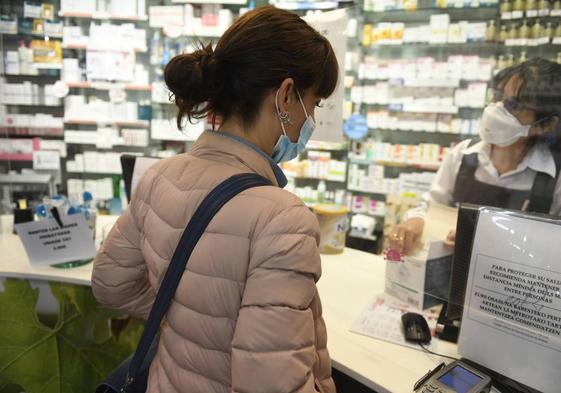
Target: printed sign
[(512, 311), (329, 119), (45, 159), (46, 243)]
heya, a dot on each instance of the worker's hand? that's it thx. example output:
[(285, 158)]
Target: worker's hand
[(450, 239), (406, 236)]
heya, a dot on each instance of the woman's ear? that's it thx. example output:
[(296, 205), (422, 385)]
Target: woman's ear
[(285, 94)]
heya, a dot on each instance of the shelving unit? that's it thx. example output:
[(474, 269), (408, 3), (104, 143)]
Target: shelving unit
[(45, 66), (95, 122), (30, 131), (32, 105), (102, 16), (107, 49), (162, 43), (396, 164), (106, 86)]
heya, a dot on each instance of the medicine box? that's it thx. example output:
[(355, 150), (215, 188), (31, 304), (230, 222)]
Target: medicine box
[(421, 280)]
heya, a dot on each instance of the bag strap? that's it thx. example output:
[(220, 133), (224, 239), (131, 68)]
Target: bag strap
[(541, 195), (208, 208)]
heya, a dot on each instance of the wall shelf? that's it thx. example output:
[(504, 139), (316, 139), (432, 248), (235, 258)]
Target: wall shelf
[(106, 86), (47, 66), (31, 131), (396, 164), (102, 49), (33, 105), (101, 16), (16, 157), (93, 122)]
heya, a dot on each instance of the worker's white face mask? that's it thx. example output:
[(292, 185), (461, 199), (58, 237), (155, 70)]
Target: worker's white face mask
[(500, 127)]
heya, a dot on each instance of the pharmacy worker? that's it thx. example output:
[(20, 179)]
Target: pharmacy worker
[(516, 162)]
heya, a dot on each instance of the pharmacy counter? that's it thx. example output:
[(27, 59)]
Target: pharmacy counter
[(348, 282)]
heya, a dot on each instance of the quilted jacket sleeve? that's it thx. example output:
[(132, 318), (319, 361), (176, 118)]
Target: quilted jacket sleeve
[(120, 275), (279, 343)]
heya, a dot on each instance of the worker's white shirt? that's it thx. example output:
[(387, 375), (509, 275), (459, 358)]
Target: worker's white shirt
[(538, 159)]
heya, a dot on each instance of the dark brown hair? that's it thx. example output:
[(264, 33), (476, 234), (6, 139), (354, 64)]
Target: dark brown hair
[(540, 88), (260, 50)]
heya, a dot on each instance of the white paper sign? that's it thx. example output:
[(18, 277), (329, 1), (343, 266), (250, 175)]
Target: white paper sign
[(45, 159), (47, 244), (141, 165), (329, 119), (111, 66), (512, 312)]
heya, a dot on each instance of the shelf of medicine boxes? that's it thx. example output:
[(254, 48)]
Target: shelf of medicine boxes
[(421, 108), (475, 46), (417, 82), (106, 86), (103, 49), (397, 164), (102, 16), (32, 105), (530, 14), (482, 13), (46, 37), (413, 137), (307, 5), (85, 173), (48, 66), (486, 49), (225, 2), (27, 76), (31, 131), (16, 157), (93, 122), (288, 176)]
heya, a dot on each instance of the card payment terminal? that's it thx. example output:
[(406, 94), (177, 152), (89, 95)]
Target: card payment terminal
[(457, 377)]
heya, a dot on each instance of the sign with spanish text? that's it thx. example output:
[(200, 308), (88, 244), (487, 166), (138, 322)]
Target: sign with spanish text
[(46, 243), (512, 312)]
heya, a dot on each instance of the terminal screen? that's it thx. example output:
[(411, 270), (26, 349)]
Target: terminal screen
[(460, 379)]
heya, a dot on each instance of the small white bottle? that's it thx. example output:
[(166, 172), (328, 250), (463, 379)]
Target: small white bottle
[(22, 58), (321, 191)]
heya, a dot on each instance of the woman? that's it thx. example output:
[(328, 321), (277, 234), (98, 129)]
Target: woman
[(514, 166), (246, 316)]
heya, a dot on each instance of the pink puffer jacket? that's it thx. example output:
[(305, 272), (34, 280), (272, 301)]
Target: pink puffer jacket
[(246, 316)]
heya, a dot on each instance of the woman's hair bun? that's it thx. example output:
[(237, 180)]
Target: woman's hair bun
[(191, 78)]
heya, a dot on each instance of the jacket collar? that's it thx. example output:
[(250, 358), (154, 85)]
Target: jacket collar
[(227, 148)]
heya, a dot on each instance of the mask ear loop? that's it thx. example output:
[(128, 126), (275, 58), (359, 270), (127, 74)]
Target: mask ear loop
[(284, 117), (302, 102)]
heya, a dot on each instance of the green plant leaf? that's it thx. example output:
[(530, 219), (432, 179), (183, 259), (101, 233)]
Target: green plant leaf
[(74, 356)]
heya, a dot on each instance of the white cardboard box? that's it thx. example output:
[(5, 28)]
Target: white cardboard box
[(422, 280)]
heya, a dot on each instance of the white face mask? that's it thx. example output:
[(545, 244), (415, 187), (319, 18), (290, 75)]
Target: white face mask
[(500, 127)]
